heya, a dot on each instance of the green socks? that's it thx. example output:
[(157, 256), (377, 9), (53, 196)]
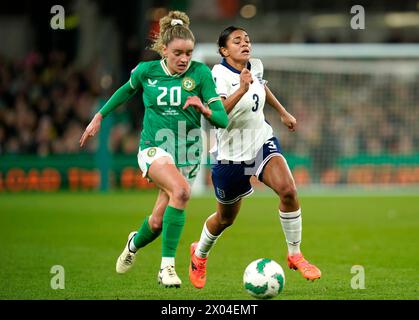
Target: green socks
[(173, 222), (144, 235)]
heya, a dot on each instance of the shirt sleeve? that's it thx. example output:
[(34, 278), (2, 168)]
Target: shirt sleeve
[(257, 68), (210, 96), (208, 89), (136, 75), (220, 82), (122, 95), (219, 117)]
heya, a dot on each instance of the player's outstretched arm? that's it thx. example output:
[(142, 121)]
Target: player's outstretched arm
[(122, 95), (215, 114), (286, 118), (91, 129)]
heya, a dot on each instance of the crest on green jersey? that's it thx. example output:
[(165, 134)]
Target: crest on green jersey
[(188, 84), (151, 152)]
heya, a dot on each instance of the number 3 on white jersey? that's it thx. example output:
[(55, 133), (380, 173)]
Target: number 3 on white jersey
[(174, 96), (271, 145)]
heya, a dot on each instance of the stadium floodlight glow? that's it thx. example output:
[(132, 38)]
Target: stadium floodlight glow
[(402, 19), (106, 81), (248, 11)]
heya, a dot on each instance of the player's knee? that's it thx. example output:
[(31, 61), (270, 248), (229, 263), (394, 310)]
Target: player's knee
[(287, 192), (225, 222), (182, 193)]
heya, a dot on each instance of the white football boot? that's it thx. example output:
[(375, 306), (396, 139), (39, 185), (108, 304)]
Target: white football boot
[(127, 258), (168, 278)]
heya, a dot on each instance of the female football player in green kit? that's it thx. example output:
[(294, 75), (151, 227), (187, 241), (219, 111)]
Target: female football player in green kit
[(174, 89)]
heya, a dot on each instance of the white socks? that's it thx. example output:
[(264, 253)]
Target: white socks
[(205, 243), (292, 226), (131, 245), (167, 261)]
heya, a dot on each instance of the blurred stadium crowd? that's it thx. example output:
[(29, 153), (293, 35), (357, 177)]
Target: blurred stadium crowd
[(46, 102), (349, 114)]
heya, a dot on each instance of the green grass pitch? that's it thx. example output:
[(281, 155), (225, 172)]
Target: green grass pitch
[(85, 233)]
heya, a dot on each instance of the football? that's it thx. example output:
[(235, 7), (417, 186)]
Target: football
[(264, 279)]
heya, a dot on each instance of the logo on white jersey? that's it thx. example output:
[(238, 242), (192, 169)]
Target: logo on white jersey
[(152, 83)]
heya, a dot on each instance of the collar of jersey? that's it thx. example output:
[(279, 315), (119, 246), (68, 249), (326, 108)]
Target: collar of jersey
[(167, 71), (231, 68)]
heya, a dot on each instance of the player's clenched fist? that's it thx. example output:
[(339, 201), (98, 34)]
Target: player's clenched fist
[(289, 121), (245, 79), (91, 129)]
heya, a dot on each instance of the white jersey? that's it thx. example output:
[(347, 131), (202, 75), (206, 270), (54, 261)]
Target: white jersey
[(247, 129)]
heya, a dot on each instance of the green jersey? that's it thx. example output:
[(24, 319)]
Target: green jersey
[(166, 124)]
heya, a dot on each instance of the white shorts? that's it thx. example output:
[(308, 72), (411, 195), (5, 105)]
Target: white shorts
[(147, 156)]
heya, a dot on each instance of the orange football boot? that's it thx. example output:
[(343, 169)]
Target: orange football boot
[(308, 270), (197, 268)]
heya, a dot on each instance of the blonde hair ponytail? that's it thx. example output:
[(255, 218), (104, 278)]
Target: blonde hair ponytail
[(173, 26)]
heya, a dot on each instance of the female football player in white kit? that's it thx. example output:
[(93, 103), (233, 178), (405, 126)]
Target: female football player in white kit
[(248, 147)]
